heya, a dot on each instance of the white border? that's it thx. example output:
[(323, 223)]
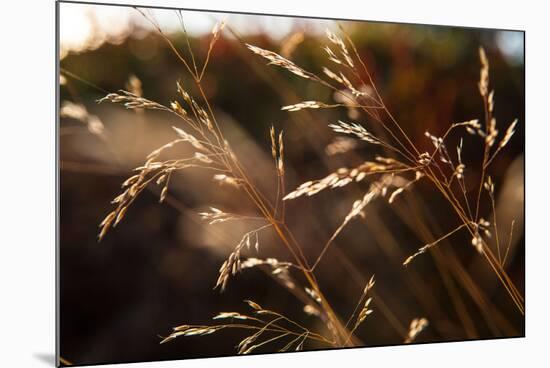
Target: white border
[(27, 185)]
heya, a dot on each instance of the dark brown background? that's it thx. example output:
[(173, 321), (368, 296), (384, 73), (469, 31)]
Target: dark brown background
[(157, 269)]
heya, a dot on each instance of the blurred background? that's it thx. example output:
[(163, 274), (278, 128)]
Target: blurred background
[(157, 269)]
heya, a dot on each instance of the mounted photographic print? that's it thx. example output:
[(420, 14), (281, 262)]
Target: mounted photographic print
[(234, 184)]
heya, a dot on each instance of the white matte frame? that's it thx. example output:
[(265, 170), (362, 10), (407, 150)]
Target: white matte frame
[(28, 185)]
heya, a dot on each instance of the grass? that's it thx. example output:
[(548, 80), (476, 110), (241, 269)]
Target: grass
[(390, 175)]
